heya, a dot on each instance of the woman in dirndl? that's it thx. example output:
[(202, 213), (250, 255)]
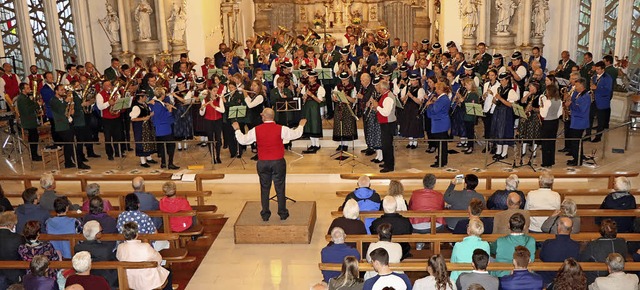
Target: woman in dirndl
[(143, 130), (313, 95), (503, 121), (199, 129), (344, 122), (183, 124), (530, 127), (411, 124)]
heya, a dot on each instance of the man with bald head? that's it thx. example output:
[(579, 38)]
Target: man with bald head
[(560, 248), (271, 165), (147, 200), (501, 220)]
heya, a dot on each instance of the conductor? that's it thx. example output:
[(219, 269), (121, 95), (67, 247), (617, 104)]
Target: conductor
[(270, 139)]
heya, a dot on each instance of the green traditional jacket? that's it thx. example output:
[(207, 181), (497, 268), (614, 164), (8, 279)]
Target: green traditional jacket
[(27, 110), (59, 108)]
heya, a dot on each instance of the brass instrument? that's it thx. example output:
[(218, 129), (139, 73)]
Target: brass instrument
[(566, 112), (382, 36), (115, 95), (234, 45), (85, 95), (69, 110), (262, 38), (59, 76), (131, 79)]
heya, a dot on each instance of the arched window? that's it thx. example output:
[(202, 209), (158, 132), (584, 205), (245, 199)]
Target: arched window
[(40, 34), (634, 51), (69, 42), (10, 37), (584, 24)]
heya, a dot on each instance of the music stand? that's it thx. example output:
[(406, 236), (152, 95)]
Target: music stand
[(236, 112), (346, 157), (290, 105)]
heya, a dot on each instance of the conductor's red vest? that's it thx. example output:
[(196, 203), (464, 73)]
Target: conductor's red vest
[(269, 141)]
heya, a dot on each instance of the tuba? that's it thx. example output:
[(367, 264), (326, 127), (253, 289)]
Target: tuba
[(60, 76), (382, 36)]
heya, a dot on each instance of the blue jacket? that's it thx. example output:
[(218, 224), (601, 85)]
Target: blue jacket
[(439, 114), (580, 111), (30, 212), (521, 280), (61, 225), (604, 91), (47, 94), (368, 200), (557, 250), (543, 62), (162, 119), (335, 253)]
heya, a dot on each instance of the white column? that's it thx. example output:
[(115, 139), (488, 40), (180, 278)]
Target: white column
[(596, 29), (623, 28), (54, 34), (162, 20), (484, 22), (124, 39), (81, 25), (26, 34), (526, 23)]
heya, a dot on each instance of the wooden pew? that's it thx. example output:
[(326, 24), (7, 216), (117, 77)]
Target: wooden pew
[(494, 266), (488, 176), (121, 267), (438, 239)]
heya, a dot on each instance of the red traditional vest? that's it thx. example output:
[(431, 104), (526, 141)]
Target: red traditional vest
[(212, 114), (382, 119), (269, 141), (11, 85), (106, 114)]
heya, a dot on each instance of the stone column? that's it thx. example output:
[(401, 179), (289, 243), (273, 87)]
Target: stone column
[(124, 38), (162, 20), (526, 24), (623, 28), (53, 31)]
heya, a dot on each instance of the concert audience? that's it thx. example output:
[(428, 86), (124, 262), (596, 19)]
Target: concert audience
[(34, 247), (97, 213), (9, 244), (5, 204), (394, 250), (336, 252), (385, 278), (503, 248), (560, 248), (48, 184), (498, 200), (400, 225), (568, 209), (172, 204), (100, 251), (426, 199), (82, 265), (479, 275), (460, 199), (620, 199), (132, 213), (542, 198), (93, 190), (570, 276), (147, 200), (396, 190), (349, 278), (38, 277), (475, 208), (30, 210), (501, 219), (598, 250), (368, 199), (349, 221), (62, 224), (617, 278), (463, 251), (438, 278), (521, 278)]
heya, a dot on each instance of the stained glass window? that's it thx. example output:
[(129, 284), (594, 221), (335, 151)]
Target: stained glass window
[(10, 37), (40, 33), (634, 53), (584, 24), (610, 24), (69, 43)]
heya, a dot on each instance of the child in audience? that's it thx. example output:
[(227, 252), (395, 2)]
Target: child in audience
[(62, 224)]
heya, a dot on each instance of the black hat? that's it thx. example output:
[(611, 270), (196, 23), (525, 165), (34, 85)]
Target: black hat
[(344, 51), (313, 73), (303, 67), (468, 66), (516, 55), (437, 45), (504, 75), (404, 67), (414, 76), (344, 75), (180, 80), (200, 80), (376, 80), (387, 72), (451, 44), (497, 55), (536, 84), (142, 92), (287, 64), (425, 41)]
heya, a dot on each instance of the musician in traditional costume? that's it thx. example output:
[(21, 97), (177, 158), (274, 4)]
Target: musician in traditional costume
[(457, 116), (503, 121), (550, 112), (35, 76), (579, 105), (366, 91), (329, 58), (344, 123), (498, 63), (198, 121), (537, 55), (565, 65), (212, 109), (143, 130), (311, 60), (111, 122), (386, 117), (235, 98), (489, 91), (183, 126), (63, 110), (345, 64), (312, 94), (27, 112), (279, 60), (411, 123), (285, 72), (602, 89), (469, 120), (438, 111), (11, 81), (518, 71), (530, 127), (566, 93), (280, 94), (255, 103), (430, 94), (162, 118), (80, 127), (482, 59), (206, 67), (355, 51)]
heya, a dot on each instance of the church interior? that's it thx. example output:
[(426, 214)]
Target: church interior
[(177, 99)]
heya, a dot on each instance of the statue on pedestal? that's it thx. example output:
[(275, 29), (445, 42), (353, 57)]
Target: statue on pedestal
[(469, 15), (540, 17), (178, 23), (111, 24), (506, 9), (143, 17)]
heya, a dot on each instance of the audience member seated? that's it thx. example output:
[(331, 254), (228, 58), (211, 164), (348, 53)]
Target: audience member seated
[(97, 213), (463, 251), (568, 209), (132, 213), (479, 275), (475, 208), (147, 200), (336, 252), (396, 189), (503, 247), (82, 265), (621, 198), (399, 225), (349, 221), (93, 190), (521, 278), (617, 279), (460, 199), (598, 250), (386, 277), (438, 278), (349, 278), (394, 250), (62, 224), (30, 210), (569, 277), (5, 204), (100, 251), (501, 219), (134, 250), (498, 200), (319, 286), (426, 199), (33, 247), (367, 198), (73, 287), (172, 204), (542, 198), (37, 279), (560, 248), (9, 244), (48, 184)]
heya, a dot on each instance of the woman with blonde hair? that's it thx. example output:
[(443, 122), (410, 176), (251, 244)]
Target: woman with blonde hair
[(437, 279), (568, 208), (349, 278), (396, 189), (172, 204)]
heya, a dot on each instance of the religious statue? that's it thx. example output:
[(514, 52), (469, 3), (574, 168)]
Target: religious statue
[(469, 15), (178, 23), (143, 17), (111, 24), (540, 17), (505, 8)]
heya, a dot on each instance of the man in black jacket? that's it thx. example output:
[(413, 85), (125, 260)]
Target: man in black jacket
[(399, 225), (100, 251), (9, 242)]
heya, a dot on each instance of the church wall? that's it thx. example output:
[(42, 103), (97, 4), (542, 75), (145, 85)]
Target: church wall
[(101, 46), (450, 24), (203, 29)]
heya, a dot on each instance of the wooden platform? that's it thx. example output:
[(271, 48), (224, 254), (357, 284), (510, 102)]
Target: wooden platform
[(297, 229)]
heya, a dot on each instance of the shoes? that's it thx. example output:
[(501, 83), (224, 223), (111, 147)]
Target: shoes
[(93, 155), (408, 146), (110, 157), (310, 150), (413, 147), (179, 149), (84, 159), (202, 144), (225, 146), (461, 144), (83, 166), (431, 150), (254, 157), (233, 156), (376, 160), (573, 163), (218, 160), (468, 151), (36, 158), (381, 165), (564, 150), (284, 217), (163, 165), (152, 161), (145, 165), (436, 165), (364, 150), (265, 219), (69, 166), (370, 152), (385, 170), (173, 167)]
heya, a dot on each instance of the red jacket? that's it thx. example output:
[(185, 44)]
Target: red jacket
[(429, 200), (173, 205)]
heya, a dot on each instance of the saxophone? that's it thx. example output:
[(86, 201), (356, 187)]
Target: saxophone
[(566, 112)]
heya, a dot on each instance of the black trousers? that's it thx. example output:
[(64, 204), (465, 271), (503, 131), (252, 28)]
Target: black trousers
[(469, 127), (230, 138), (167, 149), (487, 124), (427, 127), (83, 136), (33, 139), (272, 171), (112, 133), (592, 114), (549, 130), (54, 135), (567, 125), (604, 116), (92, 126), (443, 154), (387, 131), (126, 131), (328, 102), (574, 145), (68, 138), (214, 134)]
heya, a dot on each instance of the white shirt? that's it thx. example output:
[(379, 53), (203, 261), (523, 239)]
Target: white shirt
[(320, 94), (287, 134), (256, 101), (393, 249), (100, 103), (429, 283), (541, 199), (546, 105), (387, 106), (220, 109), (489, 106), (135, 112)]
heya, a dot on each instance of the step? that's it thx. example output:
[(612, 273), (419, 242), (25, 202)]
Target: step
[(327, 140)]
